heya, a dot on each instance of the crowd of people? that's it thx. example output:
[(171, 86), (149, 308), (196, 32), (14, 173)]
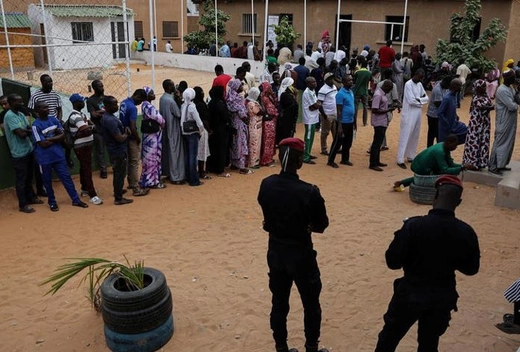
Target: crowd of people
[(189, 137)]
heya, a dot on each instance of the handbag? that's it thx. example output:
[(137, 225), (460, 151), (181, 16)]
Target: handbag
[(150, 126), (190, 126)]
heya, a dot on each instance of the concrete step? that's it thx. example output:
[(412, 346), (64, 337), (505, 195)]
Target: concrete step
[(507, 185), (508, 191)]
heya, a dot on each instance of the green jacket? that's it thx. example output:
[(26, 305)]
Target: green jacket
[(435, 161)]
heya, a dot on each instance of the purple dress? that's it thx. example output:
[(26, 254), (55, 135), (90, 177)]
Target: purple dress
[(239, 121), (151, 151)]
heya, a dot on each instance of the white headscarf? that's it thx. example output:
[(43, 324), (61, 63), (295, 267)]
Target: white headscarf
[(253, 94), (188, 95), (286, 83)]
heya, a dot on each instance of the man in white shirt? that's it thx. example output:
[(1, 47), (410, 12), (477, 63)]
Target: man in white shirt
[(327, 97), (311, 116), (169, 48), (462, 73), (250, 53), (414, 99)]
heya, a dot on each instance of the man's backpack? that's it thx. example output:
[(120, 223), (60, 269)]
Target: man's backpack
[(69, 136)]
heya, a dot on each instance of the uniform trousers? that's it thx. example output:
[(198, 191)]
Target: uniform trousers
[(430, 308), (288, 264)]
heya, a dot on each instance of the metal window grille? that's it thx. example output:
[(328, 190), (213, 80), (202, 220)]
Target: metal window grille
[(138, 29), (82, 32), (170, 29), (248, 23), (397, 34)]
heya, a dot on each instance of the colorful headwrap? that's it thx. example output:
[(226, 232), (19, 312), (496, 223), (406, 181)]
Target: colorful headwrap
[(479, 84), (235, 102), (147, 90)]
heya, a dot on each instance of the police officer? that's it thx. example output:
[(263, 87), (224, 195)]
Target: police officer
[(292, 210), (429, 249)]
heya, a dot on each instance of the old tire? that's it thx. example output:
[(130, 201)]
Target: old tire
[(421, 194), (138, 321), (144, 342), (425, 180), (133, 312), (117, 298)]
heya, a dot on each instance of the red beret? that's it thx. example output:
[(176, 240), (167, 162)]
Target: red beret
[(448, 180), (293, 143)]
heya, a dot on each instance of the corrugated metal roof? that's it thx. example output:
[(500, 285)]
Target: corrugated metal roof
[(15, 20), (86, 10)]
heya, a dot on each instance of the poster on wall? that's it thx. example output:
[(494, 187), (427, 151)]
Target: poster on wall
[(272, 21)]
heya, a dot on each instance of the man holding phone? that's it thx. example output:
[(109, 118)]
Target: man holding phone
[(379, 120)]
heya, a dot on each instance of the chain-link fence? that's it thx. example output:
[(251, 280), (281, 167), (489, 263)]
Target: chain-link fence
[(68, 39)]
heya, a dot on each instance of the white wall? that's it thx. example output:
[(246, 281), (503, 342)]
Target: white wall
[(197, 62), (77, 56)]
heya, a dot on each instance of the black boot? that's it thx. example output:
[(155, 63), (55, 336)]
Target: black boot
[(315, 349)]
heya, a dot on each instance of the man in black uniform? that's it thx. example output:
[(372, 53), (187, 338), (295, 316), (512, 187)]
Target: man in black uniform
[(292, 210), (429, 249)]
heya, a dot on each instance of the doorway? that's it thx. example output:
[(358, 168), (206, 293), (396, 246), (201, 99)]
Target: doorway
[(345, 31)]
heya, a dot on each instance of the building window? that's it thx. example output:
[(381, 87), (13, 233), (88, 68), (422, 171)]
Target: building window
[(289, 17), (82, 32), (138, 29), (397, 34), (475, 34), (170, 29), (248, 23)]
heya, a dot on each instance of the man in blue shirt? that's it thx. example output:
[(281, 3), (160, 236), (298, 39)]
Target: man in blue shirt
[(346, 124), (128, 117), (447, 114), (17, 133), (48, 134), (115, 137)]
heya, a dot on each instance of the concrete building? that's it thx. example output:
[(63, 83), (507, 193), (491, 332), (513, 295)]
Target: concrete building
[(427, 21), (78, 36)]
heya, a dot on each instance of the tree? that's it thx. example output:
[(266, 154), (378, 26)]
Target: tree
[(464, 46), (285, 33), (202, 39)]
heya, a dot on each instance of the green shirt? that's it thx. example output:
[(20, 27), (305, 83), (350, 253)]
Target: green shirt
[(435, 161), (19, 147), (362, 78)]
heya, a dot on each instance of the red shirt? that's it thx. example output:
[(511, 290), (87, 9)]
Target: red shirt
[(222, 80), (386, 57)]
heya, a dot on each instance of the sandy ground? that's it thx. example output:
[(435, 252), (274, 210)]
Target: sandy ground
[(209, 243)]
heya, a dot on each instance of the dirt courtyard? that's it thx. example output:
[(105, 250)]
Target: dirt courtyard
[(209, 243)]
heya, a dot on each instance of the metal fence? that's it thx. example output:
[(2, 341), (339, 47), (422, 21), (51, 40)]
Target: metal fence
[(73, 42)]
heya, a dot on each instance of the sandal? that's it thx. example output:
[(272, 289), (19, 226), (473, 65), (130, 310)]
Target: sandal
[(159, 186), (224, 175), (246, 172), (206, 177), (139, 192)]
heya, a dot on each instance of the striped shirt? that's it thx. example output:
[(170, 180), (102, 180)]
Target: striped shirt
[(77, 119), (52, 99)]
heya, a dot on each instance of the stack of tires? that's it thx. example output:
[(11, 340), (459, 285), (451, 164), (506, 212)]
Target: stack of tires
[(139, 320), (422, 190)]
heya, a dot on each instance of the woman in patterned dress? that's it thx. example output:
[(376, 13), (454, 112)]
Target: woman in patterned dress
[(255, 113), (269, 102), (239, 121), (151, 150), (476, 148)]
